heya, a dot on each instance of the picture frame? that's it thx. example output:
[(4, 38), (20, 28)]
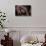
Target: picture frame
[(22, 10)]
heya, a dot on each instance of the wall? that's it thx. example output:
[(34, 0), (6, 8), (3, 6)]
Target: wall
[(38, 18)]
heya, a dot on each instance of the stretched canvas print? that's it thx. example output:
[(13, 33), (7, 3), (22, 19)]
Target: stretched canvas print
[(23, 10)]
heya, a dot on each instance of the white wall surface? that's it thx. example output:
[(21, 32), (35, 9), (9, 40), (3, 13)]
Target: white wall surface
[(38, 18)]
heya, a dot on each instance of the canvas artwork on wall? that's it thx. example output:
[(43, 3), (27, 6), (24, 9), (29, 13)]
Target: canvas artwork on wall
[(23, 10)]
